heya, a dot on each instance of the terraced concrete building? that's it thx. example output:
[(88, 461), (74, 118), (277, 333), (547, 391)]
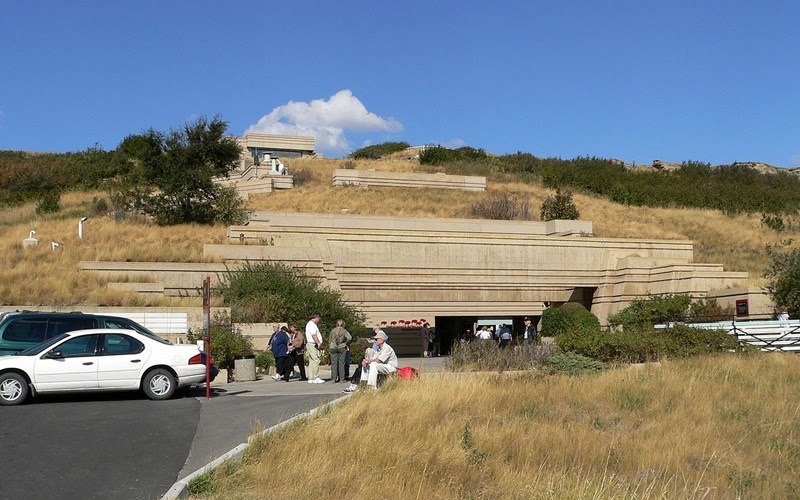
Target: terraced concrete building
[(452, 273)]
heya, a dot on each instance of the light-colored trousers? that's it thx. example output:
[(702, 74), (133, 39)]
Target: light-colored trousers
[(370, 372), (313, 361)]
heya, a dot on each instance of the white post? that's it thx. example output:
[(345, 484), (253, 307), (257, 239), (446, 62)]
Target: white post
[(80, 227)]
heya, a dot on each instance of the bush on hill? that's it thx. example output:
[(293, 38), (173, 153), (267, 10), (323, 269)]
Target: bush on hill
[(501, 207), (669, 308), (272, 292), (170, 175), (731, 188), (783, 277), (559, 206), (642, 345), (377, 151), (567, 317), (28, 176)]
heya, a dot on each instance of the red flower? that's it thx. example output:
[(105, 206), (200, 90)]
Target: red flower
[(394, 323), (383, 322)]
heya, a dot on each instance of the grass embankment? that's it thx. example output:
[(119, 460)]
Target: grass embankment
[(717, 427), (41, 276), (737, 242), (53, 278)]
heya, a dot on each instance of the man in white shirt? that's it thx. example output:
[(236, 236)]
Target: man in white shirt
[(313, 348), (384, 362)]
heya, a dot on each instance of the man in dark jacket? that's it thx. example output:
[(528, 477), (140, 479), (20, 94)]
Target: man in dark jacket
[(530, 330), (280, 349)]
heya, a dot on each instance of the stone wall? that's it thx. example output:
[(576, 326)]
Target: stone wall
[(350, 177), (416, 267)]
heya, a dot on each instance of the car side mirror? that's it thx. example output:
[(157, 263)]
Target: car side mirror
[(54, 355)]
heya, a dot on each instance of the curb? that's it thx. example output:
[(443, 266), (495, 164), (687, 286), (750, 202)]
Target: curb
[(181, 488)]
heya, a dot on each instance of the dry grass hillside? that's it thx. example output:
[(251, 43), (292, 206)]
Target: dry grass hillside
[(709, 427), (737, 242), (45, 277)]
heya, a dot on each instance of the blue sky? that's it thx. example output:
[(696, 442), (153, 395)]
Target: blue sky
[(714, 81)]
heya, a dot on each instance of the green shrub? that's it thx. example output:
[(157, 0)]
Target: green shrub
[(559, 206), (572, 363), (783, 276), (435, 155), (638, 346), (227, 341), (100, 207), (774, 222), (230, 207), (377, 151), (273, 292), (569, 316), (669, 308), (49, 203), (264, 360)]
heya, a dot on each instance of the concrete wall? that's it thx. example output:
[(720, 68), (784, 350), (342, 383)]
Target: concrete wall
[(415, 267), (349, 177)]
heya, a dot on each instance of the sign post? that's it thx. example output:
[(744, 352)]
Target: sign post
[(207, 331)]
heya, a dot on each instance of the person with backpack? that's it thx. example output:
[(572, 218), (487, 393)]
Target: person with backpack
[(339, 340)]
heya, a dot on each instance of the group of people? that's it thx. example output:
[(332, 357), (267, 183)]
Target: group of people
[(503, 337), (290, 346)]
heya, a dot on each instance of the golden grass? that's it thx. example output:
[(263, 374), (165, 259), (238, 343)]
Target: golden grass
[(736, 242), (717, 427), (41, 276)]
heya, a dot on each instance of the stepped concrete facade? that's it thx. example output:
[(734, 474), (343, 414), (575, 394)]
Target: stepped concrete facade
[(450, 272), (375, 178)]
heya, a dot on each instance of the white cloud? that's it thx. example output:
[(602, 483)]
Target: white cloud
[(326, 120)]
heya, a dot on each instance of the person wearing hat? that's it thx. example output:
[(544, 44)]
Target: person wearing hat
[(530, 330), (384, 362)]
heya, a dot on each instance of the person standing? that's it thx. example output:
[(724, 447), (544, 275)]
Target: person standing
[(314, 346), (275, 330), (297, 349), (504, 336), (280, 349), (339, 340), (530, 330)]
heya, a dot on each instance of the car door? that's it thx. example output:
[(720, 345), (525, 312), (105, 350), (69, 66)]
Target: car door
[(121, 360), (70, 365)]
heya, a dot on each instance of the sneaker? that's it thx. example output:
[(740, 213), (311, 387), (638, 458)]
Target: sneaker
[(351, 388), (318, 381), (276, 377), (311, 381)]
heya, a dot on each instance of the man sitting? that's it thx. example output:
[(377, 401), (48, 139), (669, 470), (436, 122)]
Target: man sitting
[(384, 361)]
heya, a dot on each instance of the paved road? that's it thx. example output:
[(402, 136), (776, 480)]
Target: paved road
[(125, 446)]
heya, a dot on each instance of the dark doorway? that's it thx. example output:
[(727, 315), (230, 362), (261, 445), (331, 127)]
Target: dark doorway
[(449, 329)]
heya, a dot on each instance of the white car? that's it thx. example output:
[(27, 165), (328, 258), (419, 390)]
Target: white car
[(101, 360)]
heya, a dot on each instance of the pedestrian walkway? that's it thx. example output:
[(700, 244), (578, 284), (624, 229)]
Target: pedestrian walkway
[(237, 409)]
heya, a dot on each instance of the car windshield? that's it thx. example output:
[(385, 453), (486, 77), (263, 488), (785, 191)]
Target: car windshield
[(33, 351), (147, 333)]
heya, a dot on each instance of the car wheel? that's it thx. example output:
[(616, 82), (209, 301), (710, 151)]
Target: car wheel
[(159, 384), (13, 389)]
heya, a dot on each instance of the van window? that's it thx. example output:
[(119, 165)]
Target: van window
[(25, 330), (63, 325)]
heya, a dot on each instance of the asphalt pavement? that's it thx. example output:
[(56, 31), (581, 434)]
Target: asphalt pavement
[(125, 446)]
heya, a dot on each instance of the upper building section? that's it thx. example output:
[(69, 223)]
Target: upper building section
[(259, 148)]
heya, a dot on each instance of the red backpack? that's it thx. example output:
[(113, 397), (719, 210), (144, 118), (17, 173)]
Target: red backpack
[(407, 373)]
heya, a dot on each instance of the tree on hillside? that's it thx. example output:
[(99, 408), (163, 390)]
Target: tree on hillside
[(170, 175), (783, 277), (559, 206)]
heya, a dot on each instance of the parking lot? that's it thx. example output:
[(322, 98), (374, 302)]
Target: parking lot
[(125, 446)]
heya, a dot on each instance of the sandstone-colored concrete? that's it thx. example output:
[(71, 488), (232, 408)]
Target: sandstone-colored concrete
[(379, 178), (394, 267), (760, 304)]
